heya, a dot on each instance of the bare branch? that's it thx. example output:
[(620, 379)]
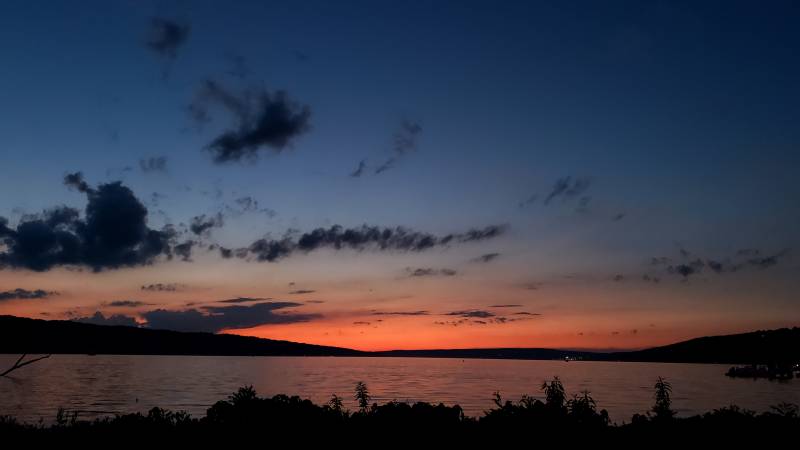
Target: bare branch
[(20, 364)]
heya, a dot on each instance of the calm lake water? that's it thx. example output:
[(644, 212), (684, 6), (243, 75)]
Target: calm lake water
[(104, 385)]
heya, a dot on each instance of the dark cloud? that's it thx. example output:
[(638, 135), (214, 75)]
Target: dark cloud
[(478, 317), (400, 313), (479, 234), (405, 141), (619, 278), (162, 287), (213, 319), (24, 294), (767, 261), (618, 217), (166, 37), (227, 253), (567, 188), (126, 303), (716, 266), (113, 320), (184, 250), (248, 204), (651, 279), (741, 260), (472, 314), (264, 121), (510, 305), (485, 258), (244, 300), (76, 181), (302, 291), (429, 272), (201, 225), (113, 233), (361, 238), (153, 164), (525, 313), (362, 165), (686, 270)]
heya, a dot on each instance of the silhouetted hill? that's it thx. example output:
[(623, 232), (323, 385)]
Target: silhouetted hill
[(768, 346), (20, 335)]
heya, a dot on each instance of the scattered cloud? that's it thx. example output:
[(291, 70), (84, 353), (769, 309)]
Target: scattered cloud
[(485, 258), (153, 164), (362, 165), (568, 188), (741, 260), (202, 225), (162, 287), (248, 204), (263, 121), (405, 141), (400, 313), (126, 303), (213, 319), (113, 320), (361, 238), (24, 294), (166, 37), (244, 300), (184, 250), (472, 314), (651, 279), (429, 272), (113, 233)]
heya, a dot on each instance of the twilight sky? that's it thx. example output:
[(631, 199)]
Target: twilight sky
[(385, 174)]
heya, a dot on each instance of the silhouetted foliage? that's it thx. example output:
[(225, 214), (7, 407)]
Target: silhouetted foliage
[(663, 406), (336, 404), (362, 396), (245, 414), (555, 395)]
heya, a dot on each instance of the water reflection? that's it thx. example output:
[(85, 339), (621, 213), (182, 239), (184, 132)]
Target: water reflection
[(103, 385)]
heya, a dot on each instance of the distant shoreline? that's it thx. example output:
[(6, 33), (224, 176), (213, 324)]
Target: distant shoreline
[(372, 356), (22, 335)]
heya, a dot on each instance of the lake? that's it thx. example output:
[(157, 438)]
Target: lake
[(104, 385)]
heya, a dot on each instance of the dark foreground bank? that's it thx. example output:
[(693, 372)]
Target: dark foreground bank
[(553, 417)]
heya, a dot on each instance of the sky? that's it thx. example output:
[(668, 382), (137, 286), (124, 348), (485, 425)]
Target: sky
[(401, 175)]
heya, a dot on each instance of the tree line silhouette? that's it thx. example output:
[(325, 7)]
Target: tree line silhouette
[(555, 417)]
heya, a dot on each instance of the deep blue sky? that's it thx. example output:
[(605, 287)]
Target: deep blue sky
[(682, 117)]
